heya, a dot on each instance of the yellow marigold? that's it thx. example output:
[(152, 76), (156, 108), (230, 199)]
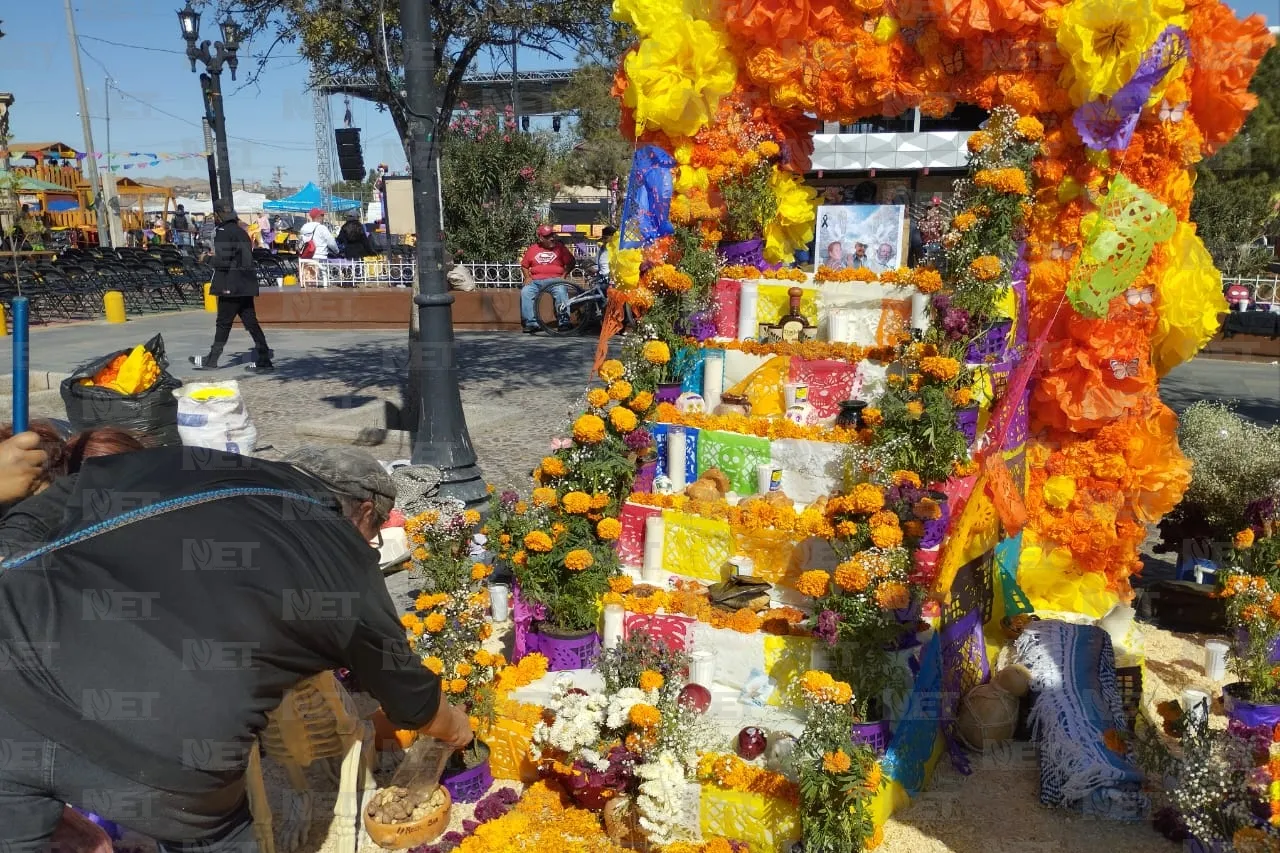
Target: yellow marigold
[(964, 221), (410, 621), (479, 571), (597, 398), (651, 680), (553, 466), (980, 141), (926, 279), (1010, 181), (851, 576), (612, 370), (874, 777), (613, 598), (471, 517), (576, 502), (865, 498), (1244, 539), (483, 657), (641, 402), (609, 529), (940, 367), (623, 420), (521, 507), (656, 352), (876, 839), (768, 148), (915, 409), (434, 664), (819, 686), (892, 596), (544, 496), (1029, 128), (463, 669), (906, 478), (744, 621), (985, 267), (884, 536), (435, 622), (1251, 613), (621, 583), (872, 417), (520, 558), (578, 559), (645, 716), (486, 631), (588, 429), (836, 762), (458, 685), (927, 509), (537, 541), (962, 397), (813, 583), (620, 390)]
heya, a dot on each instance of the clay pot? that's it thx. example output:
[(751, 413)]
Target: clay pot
[(401, 835)]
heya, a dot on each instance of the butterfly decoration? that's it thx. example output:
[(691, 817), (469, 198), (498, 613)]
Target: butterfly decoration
[(953, 63), (561, 443), (1136, 296), (1061, 252), (1108, 123), (870, 24), (1172, 112), (1124, 369)]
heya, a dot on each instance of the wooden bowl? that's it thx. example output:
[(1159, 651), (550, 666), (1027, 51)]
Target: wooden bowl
[(399, 836)]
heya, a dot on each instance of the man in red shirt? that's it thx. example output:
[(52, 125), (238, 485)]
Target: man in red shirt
[(546, 260)]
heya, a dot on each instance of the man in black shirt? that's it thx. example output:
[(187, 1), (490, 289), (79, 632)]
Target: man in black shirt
[(235, 283), (177, 596)]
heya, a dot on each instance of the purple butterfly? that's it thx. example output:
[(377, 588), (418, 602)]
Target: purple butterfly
[(1107, 124)]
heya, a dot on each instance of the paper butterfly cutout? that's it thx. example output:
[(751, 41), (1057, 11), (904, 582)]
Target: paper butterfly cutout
[(1172, 112), (1059, 252), (561, 443), (1124, 369), (953, 63), (1127, 228), (1137, 295), (1109, 123)]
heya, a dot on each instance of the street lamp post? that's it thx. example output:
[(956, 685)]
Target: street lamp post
[(440, 438), (223, 53)]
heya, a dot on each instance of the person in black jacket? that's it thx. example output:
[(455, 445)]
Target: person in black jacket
[(144, 654), (354, 240), (235, 283)]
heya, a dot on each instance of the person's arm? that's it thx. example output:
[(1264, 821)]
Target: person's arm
[(244, 259), (329, 239), (526, 261), (567, 258), (36, 520), (21, 466)]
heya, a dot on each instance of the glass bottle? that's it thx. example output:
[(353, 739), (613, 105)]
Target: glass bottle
[(794, 327)]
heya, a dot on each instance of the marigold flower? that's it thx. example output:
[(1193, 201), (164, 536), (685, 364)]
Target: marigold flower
[(578, 559), (872, 417), (927, 509), (483, 658), (553, 466), (419, 554), (964, 221), (434, 664), (537, 541), (874, 777), (656, 352), (940, 367), (479, 571), (520, 558), (915, 409), (1244, 539), (744, 621), (884, 536), (612, 370), (463, 669), (623, 420), (985, 267), (906, 478), (597, 398), (576, 502), (434, 623), (459, 685), (851, 576), (980, 141), (892, 596), (620, 583), (1029, 128), (1010, 181), (836, 762), (926, 279), (609, 529), (620, 390), (768, 148), (865, 498), (471, 517), (588, 429), (645, 716), (814, 583), (641, 402), (962, 397), (651, 680)]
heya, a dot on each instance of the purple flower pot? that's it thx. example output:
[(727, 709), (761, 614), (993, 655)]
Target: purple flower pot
[(577, 651), (1248, 713), (992, 345), (468, 786), (1242, 644), (749, 253), (874, 735), (668, 392), (1195, 845), (644, 477), (935, 530), (967, 423)]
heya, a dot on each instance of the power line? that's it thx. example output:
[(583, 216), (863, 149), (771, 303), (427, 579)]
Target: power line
[(257, 57)]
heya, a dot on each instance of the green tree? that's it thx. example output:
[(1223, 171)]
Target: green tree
[(360, 190), (363, 39), (600, 155), (1237, 188)]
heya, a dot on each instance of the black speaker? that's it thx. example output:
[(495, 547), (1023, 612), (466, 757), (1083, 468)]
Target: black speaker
[(350, 157)]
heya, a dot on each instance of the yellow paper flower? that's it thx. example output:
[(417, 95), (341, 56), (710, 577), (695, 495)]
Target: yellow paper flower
[(625, 266), (612, 370), (792, 225), (588, 429), (1059, 490), (678, 75), (1047, 574), (1103, 42), (623, 420), (656, 352), (1189, 301)]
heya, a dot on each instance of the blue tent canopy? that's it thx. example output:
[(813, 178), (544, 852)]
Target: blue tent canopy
[(308, 197)]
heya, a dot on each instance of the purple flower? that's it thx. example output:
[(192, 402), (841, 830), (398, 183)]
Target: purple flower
[(453, 839), (637, 440), (507, 796), (700, 325), (469, 826), (1259, 511), (510, 498), (828, 627), (955, 322)]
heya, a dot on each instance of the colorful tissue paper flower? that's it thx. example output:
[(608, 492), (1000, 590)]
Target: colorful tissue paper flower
[(678, 75), (1104, 40), (792, 225), (1189, 301), (626, 267), (1225, 53), (1047, 577)]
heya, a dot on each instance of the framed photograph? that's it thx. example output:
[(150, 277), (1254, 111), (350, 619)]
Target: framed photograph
[(860, 236)]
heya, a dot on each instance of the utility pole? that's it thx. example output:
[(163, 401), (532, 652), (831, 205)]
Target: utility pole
[(278, 180), (90, 156), (515, 79), (109, 185), (440, 438)]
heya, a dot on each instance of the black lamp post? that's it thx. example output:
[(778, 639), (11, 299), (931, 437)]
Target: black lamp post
[(223, 53)]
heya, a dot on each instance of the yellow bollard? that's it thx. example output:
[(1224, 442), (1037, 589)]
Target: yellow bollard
[(113, 304), (210, 300), (4, 326), (290, 280)]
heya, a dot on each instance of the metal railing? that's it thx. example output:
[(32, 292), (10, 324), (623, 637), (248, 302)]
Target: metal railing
[(374, 271), (1265, 290)]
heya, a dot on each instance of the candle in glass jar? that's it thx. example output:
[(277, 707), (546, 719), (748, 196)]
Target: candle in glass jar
[(712, 379), (676, 457), (654, 532), (702, 668), (612, 633), (748, 300), (920, 311)]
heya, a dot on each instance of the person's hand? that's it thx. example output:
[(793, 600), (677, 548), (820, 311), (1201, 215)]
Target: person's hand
[(450, 725), (21, 466)]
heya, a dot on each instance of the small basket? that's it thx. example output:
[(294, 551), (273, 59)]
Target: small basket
[(468, 786), (991, 345), (566, 653), (398, 836), (874, 735), (749, 253)]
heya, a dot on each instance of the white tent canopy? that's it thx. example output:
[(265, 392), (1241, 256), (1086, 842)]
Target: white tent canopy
[(245, 203)]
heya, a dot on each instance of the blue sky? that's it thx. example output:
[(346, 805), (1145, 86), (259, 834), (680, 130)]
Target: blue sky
[(155, 105)]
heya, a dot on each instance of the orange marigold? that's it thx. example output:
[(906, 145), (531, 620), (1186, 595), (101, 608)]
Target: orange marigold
[(576, 502), (597, 398), (744, 621), (906, 478), (544, 496), (621, 583), (620, 390), (588, 429), (599, 500), (926, 280), (1011, 181), (872, 417), (915, 409), (609, 529), (651, 680), (553, 466), (1029, 128), (865, 498), (927, 509), (874, 777), (656, 352), (623, 420), (985, 267), (1244, 539), (458, 685), (435, 622), (479, 571), (813, 583), (641, 402), (884, 536), (892, 596), (852, 576), (434, 664), (836, 762), (964, 221), (940, 367), (980, 141), (645, 716), (537, 541), (611, 370), (578, 559)]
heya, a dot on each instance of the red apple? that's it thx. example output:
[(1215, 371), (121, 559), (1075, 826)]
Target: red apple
[(396, 519), (576, 691), (751, 743), (695, 698)]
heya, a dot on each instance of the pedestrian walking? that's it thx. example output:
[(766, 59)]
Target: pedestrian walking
[(315, 244), (264, 230), (235, 283)]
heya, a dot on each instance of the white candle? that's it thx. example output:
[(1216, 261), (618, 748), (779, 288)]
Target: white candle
[(920, 311), (1195, 705), (702, 668), (747, 304), (676, 457), (499, 601), (612, 634), (654, 532), (712, 379)]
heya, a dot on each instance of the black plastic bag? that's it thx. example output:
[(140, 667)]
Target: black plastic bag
[(151, 415)]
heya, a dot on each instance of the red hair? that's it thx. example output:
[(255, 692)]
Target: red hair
[(50, 442), (103, 441)]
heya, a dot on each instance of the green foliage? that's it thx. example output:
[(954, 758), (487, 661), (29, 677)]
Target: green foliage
[(494, 183), (835, 807), (1236, 189), (699, 263), (926, 442), (621, 666), (600, 155), (749, 202)]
